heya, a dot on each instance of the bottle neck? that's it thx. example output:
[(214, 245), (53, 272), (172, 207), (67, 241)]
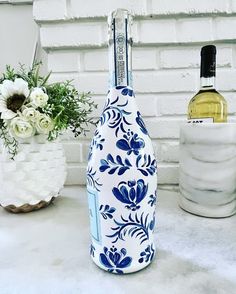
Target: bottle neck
[(208, 68), (207, 83), (120, 67)]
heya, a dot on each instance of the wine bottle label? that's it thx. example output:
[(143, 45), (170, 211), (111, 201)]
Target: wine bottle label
[(95, 227), (120, 44), (201, 120)]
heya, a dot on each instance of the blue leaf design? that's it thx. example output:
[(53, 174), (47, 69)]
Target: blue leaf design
[(103, 168), (107, 211), (114, 259), (148, 254), (104, 261), (121, 195), (106, 207), (132, 194), (115, 115), (125, 262), (138, 228), (122, 170), (123, 144), (127, 162), (113, 165), (123, 251), (124, 91), (130, 92), (141, 190), (146, 165), (119, 160), (92, 180), (141, 123), (112, 170), (110, 158), (153, 199), (111, 210)]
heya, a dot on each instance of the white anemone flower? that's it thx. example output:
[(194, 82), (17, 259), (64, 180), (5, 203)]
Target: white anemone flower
[(12, 97)]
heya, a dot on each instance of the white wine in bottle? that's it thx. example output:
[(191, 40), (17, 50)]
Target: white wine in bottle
[(207, 105)]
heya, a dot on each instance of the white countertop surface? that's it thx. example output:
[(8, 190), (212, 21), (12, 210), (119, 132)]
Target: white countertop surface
[(47, 252)]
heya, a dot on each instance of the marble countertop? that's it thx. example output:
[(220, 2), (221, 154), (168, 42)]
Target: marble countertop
[(47, 252)]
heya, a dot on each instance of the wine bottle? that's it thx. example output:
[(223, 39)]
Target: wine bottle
[(207, 105), (121, 172)]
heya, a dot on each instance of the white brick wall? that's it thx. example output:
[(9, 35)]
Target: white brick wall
[(167, 39)]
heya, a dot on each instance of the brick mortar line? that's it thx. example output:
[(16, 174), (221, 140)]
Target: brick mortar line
[(139, 44), (137, 17)]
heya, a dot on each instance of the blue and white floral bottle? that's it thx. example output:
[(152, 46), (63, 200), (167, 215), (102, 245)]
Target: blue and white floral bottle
[(121, 173)]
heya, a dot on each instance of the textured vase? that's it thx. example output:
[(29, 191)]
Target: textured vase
[(121, 183), (208, 169), (35, 176)]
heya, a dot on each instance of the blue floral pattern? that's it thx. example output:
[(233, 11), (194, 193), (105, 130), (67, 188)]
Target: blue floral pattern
[(146, 164), (134, 226), (97, 142), (115, 115), (131, 193), (114, 260), (107, 211), (141, 123), (92, 181), (147, 255), (125, 91), (131, 142), (122, 173), (114, 165), (153, 199)]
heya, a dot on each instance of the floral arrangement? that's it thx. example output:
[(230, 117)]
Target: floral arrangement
[(29, 106)]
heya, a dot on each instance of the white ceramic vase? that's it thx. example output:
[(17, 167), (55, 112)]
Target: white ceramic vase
[(208, 169), (35, 176)]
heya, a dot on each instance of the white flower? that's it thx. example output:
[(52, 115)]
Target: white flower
[(38, 97), (44, 124), (30, 114), (21, 128), (12, 97)]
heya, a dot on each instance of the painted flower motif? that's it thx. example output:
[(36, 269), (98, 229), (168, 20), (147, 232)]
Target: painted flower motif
[(38, 98), (44, 124), (131, 193), (147, 255), (125, 91), (21, 128), (141, 123), (107, 211), (152, 199), (12, 97), (97, 143), (116, 164), (114, 260), (131, 143)]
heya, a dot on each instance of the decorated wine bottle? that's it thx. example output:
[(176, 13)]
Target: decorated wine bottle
[(121, 172)]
